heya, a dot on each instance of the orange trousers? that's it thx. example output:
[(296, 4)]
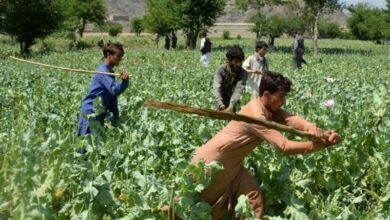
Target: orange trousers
[(222, 194)]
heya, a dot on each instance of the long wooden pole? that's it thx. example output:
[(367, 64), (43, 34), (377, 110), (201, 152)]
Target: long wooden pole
[(65, 68), (223, 115)]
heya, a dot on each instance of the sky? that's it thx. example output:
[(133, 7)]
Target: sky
[(374, 3)]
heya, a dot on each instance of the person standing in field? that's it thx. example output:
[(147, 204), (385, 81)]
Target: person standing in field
[(167, 44), (298, 51), (255, 65), (105, 87), (229, 80), (234, 142), (174, 40), (271, 41), (205, 49)]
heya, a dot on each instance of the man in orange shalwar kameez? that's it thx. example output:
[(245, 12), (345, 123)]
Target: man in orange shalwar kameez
[(234, 142)]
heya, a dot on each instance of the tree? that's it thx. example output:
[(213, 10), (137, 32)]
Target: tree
[(278, 24), (162, 17), (329, 29), (28, 20), (136, 26), (197, 16), (2, 14), (113, 28), (316, 8), (258, 19), (81, 12), (368, 23), (166, 16)]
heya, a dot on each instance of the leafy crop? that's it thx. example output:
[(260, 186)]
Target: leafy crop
[(131, 171)]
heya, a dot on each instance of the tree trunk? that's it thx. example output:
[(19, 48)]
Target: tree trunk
[(21, 48), (192, 37), (315, 37), (157, 40), (82, 27), (260, 31), (25, 49)]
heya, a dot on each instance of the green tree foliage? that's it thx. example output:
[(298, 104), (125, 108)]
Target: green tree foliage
[(197, 16), (277, 24), (28, 20), (258, 19), (136, 26), (162, 17), (81, 12), (114, 28), (329, 30), (314, 9), (368, 23), (226, 35), (2, 11)]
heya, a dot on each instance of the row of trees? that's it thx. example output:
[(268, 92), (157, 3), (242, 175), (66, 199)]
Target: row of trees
[(368, 23), (166, 16), (278, 25), (27, 20)]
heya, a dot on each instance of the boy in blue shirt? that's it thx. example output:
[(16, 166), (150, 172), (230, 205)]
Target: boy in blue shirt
[(105, 87)]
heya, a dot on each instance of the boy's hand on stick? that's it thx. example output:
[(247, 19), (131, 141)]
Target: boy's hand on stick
[(123, 76)]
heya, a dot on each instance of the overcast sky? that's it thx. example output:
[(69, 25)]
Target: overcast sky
[(375, 3)]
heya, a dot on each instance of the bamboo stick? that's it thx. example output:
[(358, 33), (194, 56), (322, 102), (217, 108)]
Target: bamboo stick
[(223, 115), (65, 68)]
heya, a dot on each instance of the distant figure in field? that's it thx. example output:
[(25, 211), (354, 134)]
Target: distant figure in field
[(255, 65), (205, 49), (271, 41), (105, 87), (167, 44), (174, 40), (298, 51), (100, 43), (229, 80)]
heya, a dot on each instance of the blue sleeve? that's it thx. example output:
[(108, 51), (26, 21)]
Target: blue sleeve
[(111, 86)]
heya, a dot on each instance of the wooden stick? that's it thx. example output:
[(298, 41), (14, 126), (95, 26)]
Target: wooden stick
[(223, 115), (65, 68)]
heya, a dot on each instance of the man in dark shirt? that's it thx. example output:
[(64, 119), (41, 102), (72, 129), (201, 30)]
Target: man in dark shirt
[(298, 51), (229, 80)]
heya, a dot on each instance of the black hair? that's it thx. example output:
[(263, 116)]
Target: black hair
[(113, 48), (235, 52), (260, 44), (273, 82)]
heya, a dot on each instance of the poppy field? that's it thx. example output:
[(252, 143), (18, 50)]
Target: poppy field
[(131, 171)]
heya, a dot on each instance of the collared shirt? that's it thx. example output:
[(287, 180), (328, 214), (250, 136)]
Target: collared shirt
[(256, 62), (228, 85), (105, 87)]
